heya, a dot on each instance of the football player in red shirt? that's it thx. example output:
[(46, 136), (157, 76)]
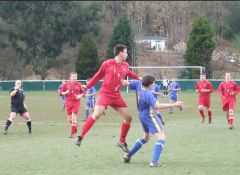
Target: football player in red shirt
[(204, 88), (227, 91), (73, 91), (113, 71)]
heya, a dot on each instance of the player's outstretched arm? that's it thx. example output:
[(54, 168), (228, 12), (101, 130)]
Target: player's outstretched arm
[(168, 105), (100, 73)]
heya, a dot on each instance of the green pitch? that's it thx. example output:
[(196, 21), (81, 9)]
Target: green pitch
[(191, 147)]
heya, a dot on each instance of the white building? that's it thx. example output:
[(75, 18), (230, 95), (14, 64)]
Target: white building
[(154, 42)]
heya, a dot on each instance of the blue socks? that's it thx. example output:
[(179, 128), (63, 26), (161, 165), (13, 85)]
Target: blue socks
[(86, 114), (137, 146), (157, 151), (171, 110)]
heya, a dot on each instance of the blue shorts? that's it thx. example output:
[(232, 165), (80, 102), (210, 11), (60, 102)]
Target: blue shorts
[(150, 124), (89, 103), (173, 97)]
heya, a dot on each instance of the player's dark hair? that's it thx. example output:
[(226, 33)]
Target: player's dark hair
[(118, 48), (147, 80)]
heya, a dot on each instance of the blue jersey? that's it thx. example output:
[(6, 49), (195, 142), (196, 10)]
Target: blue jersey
[(91, 91), (156, 88), (146, 101), (137, 86), (174, 86), (146, 108), (63, 96)]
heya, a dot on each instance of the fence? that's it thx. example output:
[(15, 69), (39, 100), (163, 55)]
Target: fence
[(39, 85)]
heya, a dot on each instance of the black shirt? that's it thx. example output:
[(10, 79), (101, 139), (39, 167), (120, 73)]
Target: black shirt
[(17, 99)]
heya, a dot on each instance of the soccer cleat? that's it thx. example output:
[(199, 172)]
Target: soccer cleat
[(203, 119), (126, 158), (123, 146), (71, 136), (156, 164), (5, 132), (30, 132), (230, 126), (78, 141)]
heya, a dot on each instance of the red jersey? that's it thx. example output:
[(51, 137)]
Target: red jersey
[(227, 92), (113, 74), (204, 85), (74, 89)]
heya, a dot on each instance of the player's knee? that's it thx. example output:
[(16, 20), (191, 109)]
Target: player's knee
[(69, 120), (12, 117), (128, 119), (27, 118), (146, 138), (96, 117), (161, 135), (200, 107)]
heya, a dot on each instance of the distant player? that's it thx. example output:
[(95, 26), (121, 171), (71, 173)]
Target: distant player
[(63, 96), (151, 124), (156, 90), (90, 102), (204, 88), (227, 91), (73, 91), (113, 71), (18, 107), (165, 83), (174, 88)]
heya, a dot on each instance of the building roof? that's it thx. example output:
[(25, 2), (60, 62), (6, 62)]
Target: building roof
[(151, 37)]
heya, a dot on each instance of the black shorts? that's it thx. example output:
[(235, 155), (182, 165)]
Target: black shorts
[(20, 110)]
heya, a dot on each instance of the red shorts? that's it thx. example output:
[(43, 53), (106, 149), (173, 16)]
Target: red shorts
[(106, 99), (72, 107), (204, 102), (228, 105)]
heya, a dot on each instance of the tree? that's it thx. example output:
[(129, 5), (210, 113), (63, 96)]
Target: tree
[(200, 45), (236, 43), (39, 29), (231, 19), (87, 62), (123, 34)]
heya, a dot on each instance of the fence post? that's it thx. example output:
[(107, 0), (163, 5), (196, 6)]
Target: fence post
[(44, 85)]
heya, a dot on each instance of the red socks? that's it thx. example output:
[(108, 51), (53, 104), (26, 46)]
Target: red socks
[(124, 130), (73, 129), (230, 119), (209, 116), (87, 125)]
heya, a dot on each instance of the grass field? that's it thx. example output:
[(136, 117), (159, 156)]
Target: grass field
[(191, 147)]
